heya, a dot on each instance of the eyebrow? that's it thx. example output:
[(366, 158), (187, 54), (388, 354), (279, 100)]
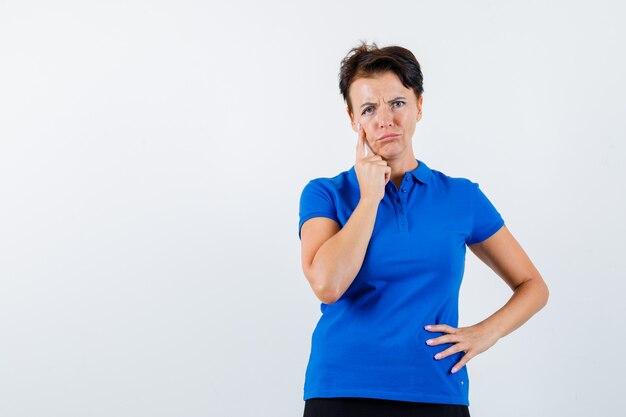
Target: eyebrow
[(373, 104)]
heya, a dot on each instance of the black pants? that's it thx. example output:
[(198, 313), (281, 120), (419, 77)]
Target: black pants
[(373, 407)]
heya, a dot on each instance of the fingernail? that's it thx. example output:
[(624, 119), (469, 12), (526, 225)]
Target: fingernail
[(454, 370), (438, 356), (428, 327), (429, 341)]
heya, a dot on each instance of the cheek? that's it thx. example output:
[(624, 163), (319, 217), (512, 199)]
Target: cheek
[(408, 127), (409, 121)]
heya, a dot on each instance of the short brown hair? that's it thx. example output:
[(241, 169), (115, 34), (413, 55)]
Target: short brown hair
[(366, 60)]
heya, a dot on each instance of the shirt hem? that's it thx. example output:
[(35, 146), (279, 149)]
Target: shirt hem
[(387, 395)]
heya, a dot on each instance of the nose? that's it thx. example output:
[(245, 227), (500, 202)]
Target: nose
[(384, 117)]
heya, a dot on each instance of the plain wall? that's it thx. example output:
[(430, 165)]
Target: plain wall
[(152, 156)]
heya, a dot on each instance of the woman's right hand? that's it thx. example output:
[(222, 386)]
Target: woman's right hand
[(372, 171)]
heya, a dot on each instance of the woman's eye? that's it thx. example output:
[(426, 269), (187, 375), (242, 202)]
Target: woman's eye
[(367, 110), (398, 103)]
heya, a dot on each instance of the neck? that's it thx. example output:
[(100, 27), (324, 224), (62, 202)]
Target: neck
[(400, 166)]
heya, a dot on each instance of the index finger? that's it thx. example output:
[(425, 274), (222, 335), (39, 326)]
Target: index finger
[(361, 152)]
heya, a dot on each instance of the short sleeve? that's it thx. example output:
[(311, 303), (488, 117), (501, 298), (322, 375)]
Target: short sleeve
[(486, 220), (316, 201)]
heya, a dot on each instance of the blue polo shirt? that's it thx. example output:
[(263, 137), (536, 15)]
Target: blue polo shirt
[(371, 342)]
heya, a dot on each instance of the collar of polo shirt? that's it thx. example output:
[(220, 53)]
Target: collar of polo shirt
[(421, 173)]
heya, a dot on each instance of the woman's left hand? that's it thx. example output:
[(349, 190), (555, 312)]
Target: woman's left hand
[(472, 340)]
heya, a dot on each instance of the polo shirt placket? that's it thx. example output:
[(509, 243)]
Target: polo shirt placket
[(399, 198)]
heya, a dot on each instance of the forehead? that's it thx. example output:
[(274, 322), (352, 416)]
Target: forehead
[(378, 86)]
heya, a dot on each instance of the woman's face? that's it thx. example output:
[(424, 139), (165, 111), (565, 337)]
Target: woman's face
[(385, 107)]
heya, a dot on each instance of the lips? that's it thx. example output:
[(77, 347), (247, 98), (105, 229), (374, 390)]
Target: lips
[(388, 137)]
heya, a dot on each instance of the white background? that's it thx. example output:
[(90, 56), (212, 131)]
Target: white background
[(152, 156)]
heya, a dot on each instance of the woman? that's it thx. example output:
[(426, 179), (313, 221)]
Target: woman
[(383, 248)]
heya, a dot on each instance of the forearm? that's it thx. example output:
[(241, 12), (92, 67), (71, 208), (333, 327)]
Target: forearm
[(339, 259), (527, 299)]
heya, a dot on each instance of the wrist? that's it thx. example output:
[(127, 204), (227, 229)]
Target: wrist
[(492, 329), (369, 202)]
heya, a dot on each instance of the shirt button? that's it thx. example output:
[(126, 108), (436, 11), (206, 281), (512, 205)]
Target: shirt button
[(408, 179), (404, 190)]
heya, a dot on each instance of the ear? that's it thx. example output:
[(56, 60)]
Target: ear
[(419, 108), (352, 121)]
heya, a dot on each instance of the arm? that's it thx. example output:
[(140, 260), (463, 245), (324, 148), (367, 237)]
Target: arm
[(331, 258), (503, 254)]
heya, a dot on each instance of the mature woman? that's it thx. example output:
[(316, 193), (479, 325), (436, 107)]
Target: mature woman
[(383, 248)]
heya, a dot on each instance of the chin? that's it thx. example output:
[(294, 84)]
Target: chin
[(387, 151)]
